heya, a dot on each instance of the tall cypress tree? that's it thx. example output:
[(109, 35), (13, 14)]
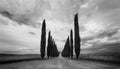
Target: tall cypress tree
[(71, 43), (49, 45), (68, 46), (77, 37), (66, 50), (43, 40), (56, 50), (52, 51)]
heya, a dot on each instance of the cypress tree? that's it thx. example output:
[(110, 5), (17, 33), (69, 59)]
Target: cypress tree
[(55, 50), (77, 37), (68, 45), (52, 51), (49, 45), (71, 43), (43, 40), (66, 50)]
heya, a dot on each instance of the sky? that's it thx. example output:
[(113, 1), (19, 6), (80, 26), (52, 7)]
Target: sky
[(21, 20)]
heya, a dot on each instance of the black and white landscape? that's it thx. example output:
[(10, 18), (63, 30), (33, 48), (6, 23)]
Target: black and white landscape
[(59, 34)]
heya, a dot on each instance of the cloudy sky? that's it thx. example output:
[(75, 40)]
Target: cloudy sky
[(20, 24)]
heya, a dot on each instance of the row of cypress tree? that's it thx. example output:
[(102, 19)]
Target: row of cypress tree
[(68, 48), (52, 50)]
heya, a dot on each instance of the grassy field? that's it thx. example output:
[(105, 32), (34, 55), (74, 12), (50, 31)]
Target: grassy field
[(6, 58), (104, 57)]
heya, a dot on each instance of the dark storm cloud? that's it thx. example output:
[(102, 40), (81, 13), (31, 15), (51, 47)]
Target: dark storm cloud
[(27, 12), (87, 39), (32, 33), (23, 12), (6, 14), (111, 47), (107, 33)]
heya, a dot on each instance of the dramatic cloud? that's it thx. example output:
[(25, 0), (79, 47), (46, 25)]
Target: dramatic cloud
[(23, 11), (15, 37), (20, 21)]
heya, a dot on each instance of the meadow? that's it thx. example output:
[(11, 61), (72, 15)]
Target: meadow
[(9, 58), (103, 57)]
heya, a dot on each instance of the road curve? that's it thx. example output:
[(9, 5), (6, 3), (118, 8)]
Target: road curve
[(59, 63)]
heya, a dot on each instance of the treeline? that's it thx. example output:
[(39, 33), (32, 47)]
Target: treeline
[(52, 50), (68, 48)]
